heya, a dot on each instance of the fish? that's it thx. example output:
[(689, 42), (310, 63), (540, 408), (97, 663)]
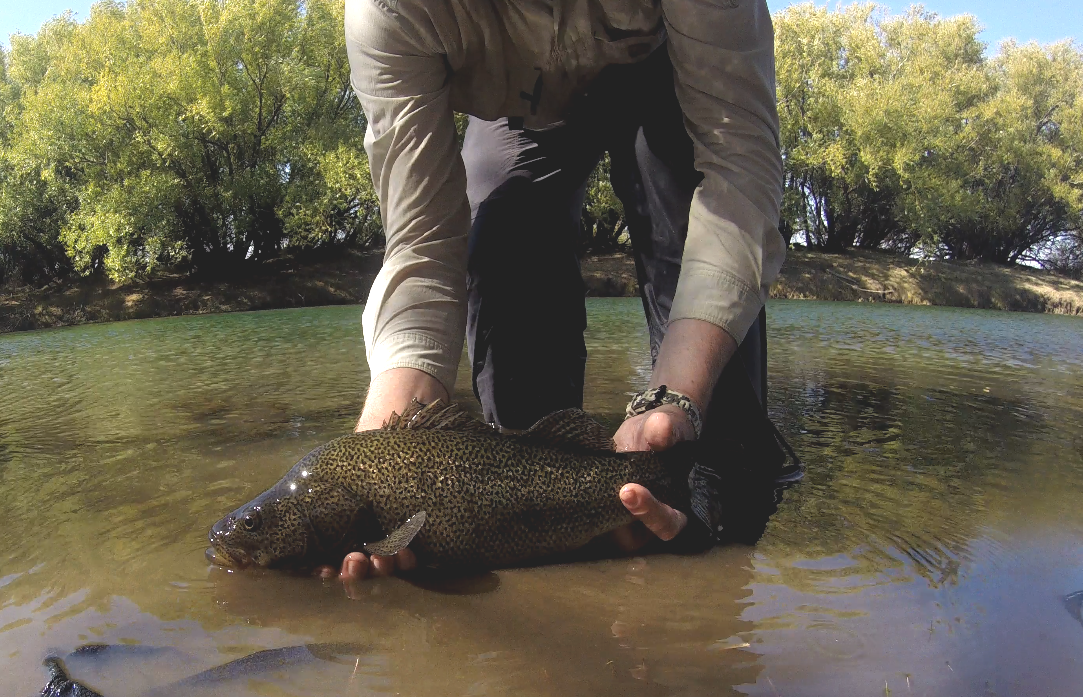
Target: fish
[(459, 492), (1073, 602), (221, 678), (61, 684)]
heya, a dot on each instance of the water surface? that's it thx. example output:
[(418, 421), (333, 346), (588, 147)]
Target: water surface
[(927, 552)]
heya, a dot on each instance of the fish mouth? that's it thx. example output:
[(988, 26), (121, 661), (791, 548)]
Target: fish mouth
[(224, 559)]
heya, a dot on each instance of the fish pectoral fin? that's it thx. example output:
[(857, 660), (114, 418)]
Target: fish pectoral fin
[(570, 429), (399, 538)]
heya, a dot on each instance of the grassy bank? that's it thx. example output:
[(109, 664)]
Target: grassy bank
[(346, 277)]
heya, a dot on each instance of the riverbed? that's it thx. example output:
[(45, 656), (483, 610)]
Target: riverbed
[(927, 552)]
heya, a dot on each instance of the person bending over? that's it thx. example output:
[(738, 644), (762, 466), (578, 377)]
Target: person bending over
[(482, 241)]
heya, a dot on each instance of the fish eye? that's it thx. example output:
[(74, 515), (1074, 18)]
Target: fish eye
[(251, 521)]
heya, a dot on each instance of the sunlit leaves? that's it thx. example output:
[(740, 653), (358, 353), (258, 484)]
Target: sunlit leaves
[(201, 133), (191, 132), (900, 130)]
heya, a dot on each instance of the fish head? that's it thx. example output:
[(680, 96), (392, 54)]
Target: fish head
[(293, 527), (264, 531)]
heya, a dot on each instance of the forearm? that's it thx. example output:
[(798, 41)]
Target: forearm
[(691, 359), (415, 317), (392, 391)]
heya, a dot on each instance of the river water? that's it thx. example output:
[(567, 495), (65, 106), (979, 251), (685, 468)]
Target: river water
[(927, 552)]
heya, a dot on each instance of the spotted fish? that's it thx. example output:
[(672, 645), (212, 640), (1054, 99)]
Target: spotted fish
[(455, 490), (222, 679)]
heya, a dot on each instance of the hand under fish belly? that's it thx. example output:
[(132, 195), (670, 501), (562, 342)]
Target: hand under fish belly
[(455, 490)]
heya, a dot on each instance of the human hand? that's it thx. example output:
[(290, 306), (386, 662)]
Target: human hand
[(658, 429), (357, 566), (390, 392)]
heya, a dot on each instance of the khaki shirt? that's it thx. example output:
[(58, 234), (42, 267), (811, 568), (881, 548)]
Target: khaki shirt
[(416, 62)]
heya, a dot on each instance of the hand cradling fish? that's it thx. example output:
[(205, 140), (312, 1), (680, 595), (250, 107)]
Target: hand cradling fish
[(454, 489)]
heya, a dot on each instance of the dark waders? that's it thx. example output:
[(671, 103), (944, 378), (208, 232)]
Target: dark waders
[(526, 312)]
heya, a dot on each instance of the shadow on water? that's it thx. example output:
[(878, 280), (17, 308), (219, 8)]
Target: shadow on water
[(895, 473), (450, 583)]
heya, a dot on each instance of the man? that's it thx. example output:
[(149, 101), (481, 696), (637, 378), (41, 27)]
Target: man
[(680, 93)]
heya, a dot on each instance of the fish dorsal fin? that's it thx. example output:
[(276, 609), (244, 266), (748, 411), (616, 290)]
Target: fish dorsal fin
[(436, 416), (570, 429), (399, 538)]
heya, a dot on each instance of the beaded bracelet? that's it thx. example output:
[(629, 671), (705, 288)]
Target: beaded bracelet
[(656, 397)]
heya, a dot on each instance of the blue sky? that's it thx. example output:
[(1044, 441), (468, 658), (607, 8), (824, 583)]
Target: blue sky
[(1042, 20)]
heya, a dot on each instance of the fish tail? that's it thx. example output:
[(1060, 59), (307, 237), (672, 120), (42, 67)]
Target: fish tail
[(55, 669), (60, 683)]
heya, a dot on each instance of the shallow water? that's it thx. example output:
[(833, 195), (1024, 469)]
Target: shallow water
[(927, 552)]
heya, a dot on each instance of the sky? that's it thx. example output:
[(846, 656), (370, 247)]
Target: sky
[(1024, 20)]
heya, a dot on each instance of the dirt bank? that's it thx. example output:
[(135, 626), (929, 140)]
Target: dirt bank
[(342, 279), (880, 277), (345, 278)]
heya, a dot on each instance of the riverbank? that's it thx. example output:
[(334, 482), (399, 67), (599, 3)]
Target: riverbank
[(346, 277), (342, 279), (864, 276)]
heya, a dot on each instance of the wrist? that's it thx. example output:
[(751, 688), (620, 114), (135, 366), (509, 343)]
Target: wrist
[(392, 391), (691, 359), (672, 402)]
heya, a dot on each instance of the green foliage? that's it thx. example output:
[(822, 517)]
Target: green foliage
[(604, 226), (199, 134), (898, 131), (189, 133), (1011, 180), (33, 207)]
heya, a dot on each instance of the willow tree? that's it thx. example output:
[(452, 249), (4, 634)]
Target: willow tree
[(35, 201), (197, 132), (1011, 181), (862, 95), (899, 130), (818, 55)]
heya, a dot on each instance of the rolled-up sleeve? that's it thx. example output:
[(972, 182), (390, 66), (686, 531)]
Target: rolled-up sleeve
[(415, 315), (723, 56)]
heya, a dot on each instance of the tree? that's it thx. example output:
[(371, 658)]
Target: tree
[(861, 95), (604, 224), (198, 133), (898, 131), (204, 134), (1012, 182), (828, 193), (33, 205)]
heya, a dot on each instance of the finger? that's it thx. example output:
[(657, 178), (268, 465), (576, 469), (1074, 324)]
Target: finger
[(355, 567), (663, 521), (382, 566), (405, 560), (324, 572)]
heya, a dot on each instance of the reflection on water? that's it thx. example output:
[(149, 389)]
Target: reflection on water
[(929, 550)]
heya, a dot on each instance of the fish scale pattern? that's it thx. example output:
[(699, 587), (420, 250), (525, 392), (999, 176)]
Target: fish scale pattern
[(490, 499)]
